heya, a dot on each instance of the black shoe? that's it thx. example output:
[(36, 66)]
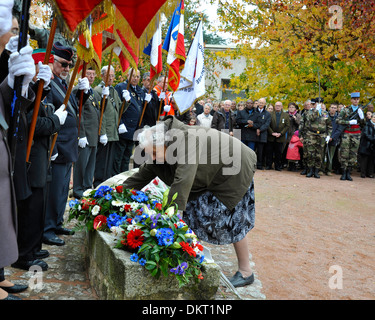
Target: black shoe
[(27, 264), (370, 176), (348, 177), (15, 288), (343, 176), (260, 167), (53, 241), (278, 168), (304, 172), (65, 231), (12, 297), (239, 281), (42, 254), (310, 173), (268, 168), (363, 175)]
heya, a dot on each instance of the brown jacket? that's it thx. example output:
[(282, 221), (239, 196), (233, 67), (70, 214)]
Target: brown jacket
[(227, 180)]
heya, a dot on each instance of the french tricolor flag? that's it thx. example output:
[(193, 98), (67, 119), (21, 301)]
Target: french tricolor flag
[(154, 51), (174, 45)]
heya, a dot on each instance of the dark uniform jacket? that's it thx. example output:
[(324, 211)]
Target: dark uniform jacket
[(219, 119), (66, 143), (133, 109), (265, 120)]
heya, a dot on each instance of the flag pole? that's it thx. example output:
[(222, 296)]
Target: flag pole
[(102, 107), (40, 89), (81, 96), (123, 102), (165, 78), (66, 100), (146, 103)]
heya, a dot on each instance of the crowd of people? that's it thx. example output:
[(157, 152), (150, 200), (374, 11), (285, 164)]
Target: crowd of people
[(314, 139)]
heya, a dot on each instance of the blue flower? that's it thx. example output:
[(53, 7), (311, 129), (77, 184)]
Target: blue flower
[(115, 220), (134, 257), (142, 261), (108, 197), (72, 203), (140, 197), (180, 269), (102, 191)]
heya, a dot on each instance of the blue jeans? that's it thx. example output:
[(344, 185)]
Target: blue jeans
[(250, 144)]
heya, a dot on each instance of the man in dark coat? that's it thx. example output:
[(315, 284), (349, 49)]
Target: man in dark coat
[(135, 98), (150, 115), (224, 118), (262, 132), (247, 121), (66, 146), (31, 210)]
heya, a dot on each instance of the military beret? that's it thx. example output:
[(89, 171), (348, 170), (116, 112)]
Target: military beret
[(355, 95), (63, 51), (319, 100), (312, 101)]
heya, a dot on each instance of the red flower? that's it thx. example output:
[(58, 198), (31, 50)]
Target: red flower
[(158, 206), (85, 204), (135, 238), (155, 182), (119, 189), (133, 192), (127, 207), (185, 246), (200, 276), (99, 221)]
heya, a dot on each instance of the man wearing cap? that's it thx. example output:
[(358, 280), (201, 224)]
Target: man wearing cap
[(66, 148), (350, 119), (84, 167), (317, 126)]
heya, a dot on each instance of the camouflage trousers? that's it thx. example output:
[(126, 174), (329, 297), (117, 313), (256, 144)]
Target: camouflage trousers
[(349, 150), (314, 146)]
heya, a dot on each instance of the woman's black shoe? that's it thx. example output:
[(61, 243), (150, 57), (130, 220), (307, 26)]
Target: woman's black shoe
[(12, 297)]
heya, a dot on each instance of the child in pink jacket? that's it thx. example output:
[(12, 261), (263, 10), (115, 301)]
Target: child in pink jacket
[(292, 154)]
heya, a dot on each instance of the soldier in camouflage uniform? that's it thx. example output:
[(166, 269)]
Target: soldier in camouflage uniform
[(302, 132), (351, 119), (317, 126)]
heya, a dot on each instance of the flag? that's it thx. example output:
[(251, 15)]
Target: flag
[(192, 84), (154, 51), (175, 47)]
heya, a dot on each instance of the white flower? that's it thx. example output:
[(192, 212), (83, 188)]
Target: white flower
[(117, 203), (170, 212), (87, 192), (117, 232), (133, 226), (95, 210)]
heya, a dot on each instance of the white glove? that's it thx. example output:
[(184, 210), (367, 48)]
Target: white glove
[(162, 95), (44, 73), (122, 129), (62, 114), (84, 85), (5, 16), (103, 139), (360, 113), (353, 122), (148, 97), (83, 142), (53, 158), (126, 95), (105, 92), (167, 108), (12, 45), (327, 139), (21, 64)]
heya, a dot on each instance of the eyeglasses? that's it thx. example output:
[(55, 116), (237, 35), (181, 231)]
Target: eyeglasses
[(14, 31), (65, 64)]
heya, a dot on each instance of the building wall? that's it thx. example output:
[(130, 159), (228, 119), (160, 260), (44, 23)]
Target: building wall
[(224, 74)]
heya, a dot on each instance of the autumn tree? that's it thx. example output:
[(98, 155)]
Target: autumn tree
[(296, 49)]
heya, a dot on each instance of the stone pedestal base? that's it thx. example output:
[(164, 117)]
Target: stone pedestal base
[(115, 277)]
